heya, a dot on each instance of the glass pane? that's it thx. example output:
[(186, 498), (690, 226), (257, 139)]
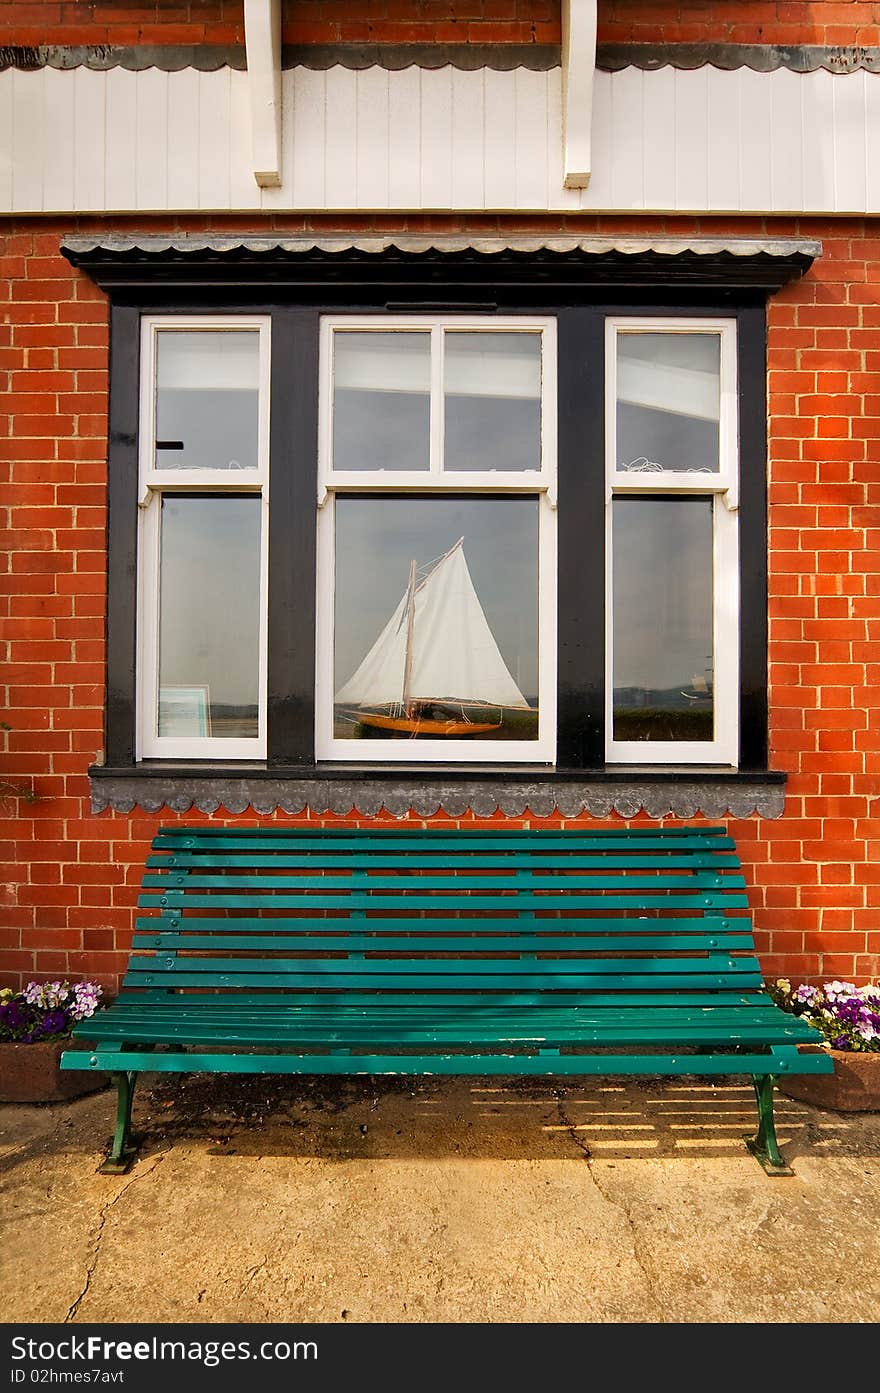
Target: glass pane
[(381, 400), (663, 651), (209, 616), (436, 632), (668, 402), (493, 401), (207, 399)]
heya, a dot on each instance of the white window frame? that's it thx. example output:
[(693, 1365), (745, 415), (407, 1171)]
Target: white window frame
[(723, 489), (153, 484), (435, 481)]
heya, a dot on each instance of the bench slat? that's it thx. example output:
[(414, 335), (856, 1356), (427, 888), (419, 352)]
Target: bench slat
[(320, 1033), (357, 900), (429, 943), (194, 1008), (173, 920), (345, 884), (463, 1064), (307, 967), (411, 860), (384, 1015), (745, 977), (644, 1000), (446, 840)]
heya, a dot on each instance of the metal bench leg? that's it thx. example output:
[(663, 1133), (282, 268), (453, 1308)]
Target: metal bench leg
[(763, 1144), (122, 1153)]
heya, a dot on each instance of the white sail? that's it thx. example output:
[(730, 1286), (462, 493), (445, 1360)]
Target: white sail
[(454, 655)]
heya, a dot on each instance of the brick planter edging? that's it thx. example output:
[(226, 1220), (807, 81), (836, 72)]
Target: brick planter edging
[(853, 1087), (31, 1073)]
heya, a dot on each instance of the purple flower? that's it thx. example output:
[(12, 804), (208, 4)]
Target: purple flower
[(54, 1022), (847, 1016), (11, 1015), (44, 1010)]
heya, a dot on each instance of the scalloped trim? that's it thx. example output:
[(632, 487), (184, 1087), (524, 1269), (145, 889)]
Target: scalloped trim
[(447, 244), (399, 797), (610, 57)]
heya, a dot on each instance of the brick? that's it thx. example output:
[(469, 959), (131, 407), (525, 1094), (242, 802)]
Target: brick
[(811, 875)]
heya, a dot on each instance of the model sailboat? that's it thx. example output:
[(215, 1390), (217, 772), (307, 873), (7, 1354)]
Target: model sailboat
[(436, 651)]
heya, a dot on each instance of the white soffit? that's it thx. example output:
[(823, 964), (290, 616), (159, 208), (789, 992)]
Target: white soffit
[(445, 139)]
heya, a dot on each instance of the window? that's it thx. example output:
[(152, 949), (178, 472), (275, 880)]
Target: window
[(436, 547), (672, 600), (496, 540), (203, 545)]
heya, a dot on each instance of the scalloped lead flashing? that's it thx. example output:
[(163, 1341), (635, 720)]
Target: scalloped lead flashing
[(399, 797), (401, 263), (610, 57), (76, 248)]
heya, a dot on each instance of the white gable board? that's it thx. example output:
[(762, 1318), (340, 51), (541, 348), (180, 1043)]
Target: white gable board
[(700, 141)]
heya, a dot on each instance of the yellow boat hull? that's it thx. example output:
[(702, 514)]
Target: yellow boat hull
[(413, 725)]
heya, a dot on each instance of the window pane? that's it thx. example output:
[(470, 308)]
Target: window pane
[(207, 399), (663, 651), (493, 401), (209, 616), (436, 631), (668, 402), (381, 400)]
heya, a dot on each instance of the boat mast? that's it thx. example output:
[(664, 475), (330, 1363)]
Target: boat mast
[(410, 622)]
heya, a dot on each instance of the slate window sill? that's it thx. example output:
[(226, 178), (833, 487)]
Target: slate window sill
[(426, 790)]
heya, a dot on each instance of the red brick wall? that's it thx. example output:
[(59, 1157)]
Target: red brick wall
[(739, 21), (69, 879), (442, 21)]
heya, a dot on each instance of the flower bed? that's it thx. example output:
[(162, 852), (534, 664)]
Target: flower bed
[(848, 1016), (45, 1010), (35, 1026), (849, 1019)]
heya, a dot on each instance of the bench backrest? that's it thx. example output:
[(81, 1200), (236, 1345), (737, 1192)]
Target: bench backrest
[(434, 914)]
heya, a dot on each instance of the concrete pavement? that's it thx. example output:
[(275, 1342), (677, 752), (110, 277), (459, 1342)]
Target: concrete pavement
[(420, 1200)]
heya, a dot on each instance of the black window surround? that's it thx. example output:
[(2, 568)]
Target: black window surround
[(295, 287)]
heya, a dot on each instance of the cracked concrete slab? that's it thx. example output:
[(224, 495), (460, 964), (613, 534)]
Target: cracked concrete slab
[(434, 1200)]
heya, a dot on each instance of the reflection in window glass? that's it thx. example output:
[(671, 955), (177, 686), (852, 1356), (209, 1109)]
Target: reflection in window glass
[(207, 399), (436, 621), (668, 402), (209, 616), (381, 400), (663, 648), (493, 400)]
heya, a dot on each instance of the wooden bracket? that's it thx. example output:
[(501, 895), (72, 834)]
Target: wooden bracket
[(262, 31), (578, 71)]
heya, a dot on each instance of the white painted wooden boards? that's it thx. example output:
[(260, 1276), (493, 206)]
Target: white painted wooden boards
[(418, 139)]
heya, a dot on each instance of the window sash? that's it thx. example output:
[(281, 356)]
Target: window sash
[(472, 750), (436, 478), (726, 479), (437, 481), (237, 481), (723, 489), (153, 485)]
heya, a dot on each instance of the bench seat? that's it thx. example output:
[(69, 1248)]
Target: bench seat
[(542, 954), (316, 1028)]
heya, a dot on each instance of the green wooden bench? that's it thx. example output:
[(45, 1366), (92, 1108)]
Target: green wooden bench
[(547, 954)]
